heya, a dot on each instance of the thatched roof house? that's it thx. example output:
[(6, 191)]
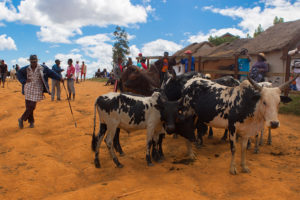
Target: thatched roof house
[(275, 42), (196, 48)]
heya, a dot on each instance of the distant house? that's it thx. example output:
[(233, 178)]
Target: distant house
[(275, 42)]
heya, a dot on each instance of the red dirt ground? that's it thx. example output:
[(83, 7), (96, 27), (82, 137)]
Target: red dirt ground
[(54, 160)]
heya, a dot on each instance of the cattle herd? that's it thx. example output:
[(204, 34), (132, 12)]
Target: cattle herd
[(184, 105)]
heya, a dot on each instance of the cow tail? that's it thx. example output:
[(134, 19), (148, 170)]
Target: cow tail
[(94, 139)]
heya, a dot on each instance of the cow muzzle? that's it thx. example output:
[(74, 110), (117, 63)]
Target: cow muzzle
[(274, 124), (170, 129)]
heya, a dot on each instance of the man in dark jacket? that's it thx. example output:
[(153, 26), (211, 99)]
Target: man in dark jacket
[(34, 80), (3, 72), (56, 83)]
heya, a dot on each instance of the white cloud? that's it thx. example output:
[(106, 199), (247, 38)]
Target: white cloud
[(47, 51), (75, 50), (20, 61), (164, 1), (251, 17), (159, 46), (7, 43), (200, 37), (59, 23), (93, 39), (134, 52)]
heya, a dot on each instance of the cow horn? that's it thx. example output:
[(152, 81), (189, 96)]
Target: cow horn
[(255, 85), (284, 85)]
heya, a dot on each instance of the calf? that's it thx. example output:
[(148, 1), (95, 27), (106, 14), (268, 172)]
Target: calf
[(243, 109), (131, 112)]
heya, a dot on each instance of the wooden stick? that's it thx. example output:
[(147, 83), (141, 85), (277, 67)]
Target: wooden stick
[(128, 193)]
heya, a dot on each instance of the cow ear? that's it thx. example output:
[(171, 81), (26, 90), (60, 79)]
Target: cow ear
[(285, 99)]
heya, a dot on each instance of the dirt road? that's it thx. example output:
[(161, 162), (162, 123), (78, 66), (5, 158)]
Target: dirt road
[(54, 160)]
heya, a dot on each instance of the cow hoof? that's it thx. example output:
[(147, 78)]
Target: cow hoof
[(120, 165), (198, 146), (256, 151), (260, 143), (175, 136), (233, 171), (246, 170), (150, 164), (210, 137), (122, 154), (223, 139), (269, 142), (97, 164)]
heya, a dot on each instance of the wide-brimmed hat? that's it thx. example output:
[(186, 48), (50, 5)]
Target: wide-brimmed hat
[(262, 55), (188, 52), (33, 57), (140, 54)]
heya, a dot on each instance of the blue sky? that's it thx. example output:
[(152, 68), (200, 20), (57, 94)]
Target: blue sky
[(82, 29)]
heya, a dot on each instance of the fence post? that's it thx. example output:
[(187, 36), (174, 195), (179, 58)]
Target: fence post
[(148, 63), (199, 64), (236, 66), (287, 73)]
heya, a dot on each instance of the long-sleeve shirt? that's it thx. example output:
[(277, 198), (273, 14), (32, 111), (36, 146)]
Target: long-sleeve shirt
[(57, 69), (258, 71), (71, 72)]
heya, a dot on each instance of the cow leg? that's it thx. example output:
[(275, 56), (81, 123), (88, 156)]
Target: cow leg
[(201, 130), (232, 138), (148, 146), (100, 136), (210, 133), (117, 144), (224, 138), (109, 143), (248, 144), (190, 152), (160, 150), (175, 135), (244, 142), (256, 149), (261, 137), (269, 137)]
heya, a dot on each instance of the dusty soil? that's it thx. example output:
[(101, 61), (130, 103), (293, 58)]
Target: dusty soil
[(54, 160)]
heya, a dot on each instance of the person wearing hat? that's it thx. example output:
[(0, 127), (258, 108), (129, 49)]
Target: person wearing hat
[(3, 72), (185, 61), (34, 80), (56, 83), (259, 69)]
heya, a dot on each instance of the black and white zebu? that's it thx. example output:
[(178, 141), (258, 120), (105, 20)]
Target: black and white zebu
[(132, 112), (243, 109)]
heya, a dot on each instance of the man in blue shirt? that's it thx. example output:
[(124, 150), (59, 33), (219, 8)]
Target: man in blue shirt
[(56, 83), (185, 61)]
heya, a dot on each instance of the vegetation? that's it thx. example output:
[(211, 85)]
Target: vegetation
[(216, 40), (258, 31), (278, 20), (121, 45), (99, 79), (292, 107)]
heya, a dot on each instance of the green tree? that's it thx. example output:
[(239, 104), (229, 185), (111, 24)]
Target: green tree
[(217, 40), (278, 20), (258, 31), (121, 45)]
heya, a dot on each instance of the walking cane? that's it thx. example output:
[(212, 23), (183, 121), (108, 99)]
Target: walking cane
[(70, 104)]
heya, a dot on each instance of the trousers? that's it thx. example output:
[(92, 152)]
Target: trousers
[(28, 114)]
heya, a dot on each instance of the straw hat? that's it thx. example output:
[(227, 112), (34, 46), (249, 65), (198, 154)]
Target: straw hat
[(188, 52), (262, 55)]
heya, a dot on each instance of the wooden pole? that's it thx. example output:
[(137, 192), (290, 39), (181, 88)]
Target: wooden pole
[(236, 66), (199, 64), (287, 73), (148, 63), (189, 63)]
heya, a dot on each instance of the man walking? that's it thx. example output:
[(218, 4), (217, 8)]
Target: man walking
[(77, 71), (34, 80), (56, 83), (83, 71), (3, 72)]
